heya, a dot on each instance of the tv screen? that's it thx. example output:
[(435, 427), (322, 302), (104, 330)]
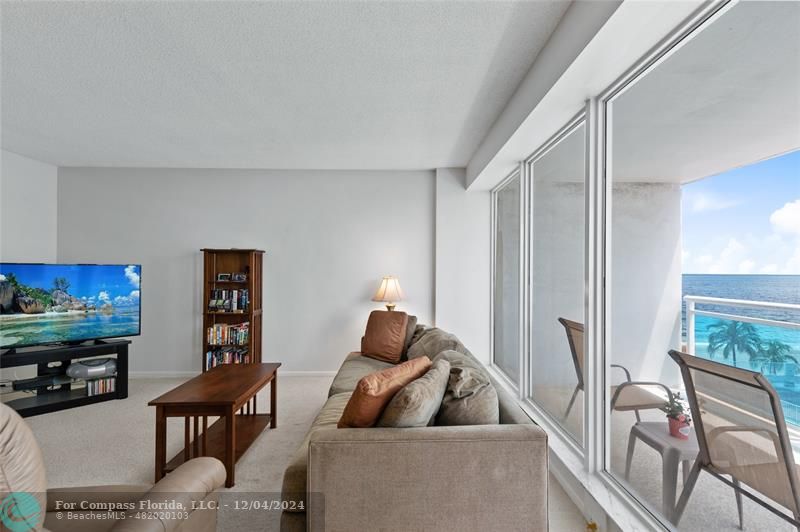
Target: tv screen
[(68, 303)]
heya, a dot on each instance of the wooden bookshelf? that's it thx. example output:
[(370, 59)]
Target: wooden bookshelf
[(231, 261)]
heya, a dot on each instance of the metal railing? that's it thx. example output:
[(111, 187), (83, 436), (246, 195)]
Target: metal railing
[(692, 312)]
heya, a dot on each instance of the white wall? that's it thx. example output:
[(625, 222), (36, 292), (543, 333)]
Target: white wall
[(463, 261), (646, 280), (28, 207), (329, 236), (558, 285)]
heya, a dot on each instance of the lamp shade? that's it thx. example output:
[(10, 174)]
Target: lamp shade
[(389, 290)]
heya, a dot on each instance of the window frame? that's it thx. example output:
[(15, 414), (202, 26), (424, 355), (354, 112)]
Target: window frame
[(500, 374), (603, 116), (526, 395), (582, 469)]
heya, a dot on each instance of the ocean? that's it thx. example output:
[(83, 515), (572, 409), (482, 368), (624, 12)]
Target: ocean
[(766, 288), (52, 327)]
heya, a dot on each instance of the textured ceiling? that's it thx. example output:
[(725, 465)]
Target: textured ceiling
[(262, 85)]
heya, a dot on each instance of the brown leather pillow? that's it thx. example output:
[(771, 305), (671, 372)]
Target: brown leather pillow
[(385, 337), (374, 391)]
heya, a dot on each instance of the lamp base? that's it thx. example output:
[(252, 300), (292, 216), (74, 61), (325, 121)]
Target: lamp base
[(390, 306)]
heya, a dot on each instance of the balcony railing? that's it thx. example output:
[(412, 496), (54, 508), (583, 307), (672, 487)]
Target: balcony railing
[(692, 312)]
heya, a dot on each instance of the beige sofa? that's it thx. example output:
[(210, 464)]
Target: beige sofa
[(466, 478)]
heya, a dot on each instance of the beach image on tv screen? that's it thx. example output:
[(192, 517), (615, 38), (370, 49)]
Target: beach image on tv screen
[(51, 303)]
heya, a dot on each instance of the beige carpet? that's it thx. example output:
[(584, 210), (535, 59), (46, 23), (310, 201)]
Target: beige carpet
[(112, 443)]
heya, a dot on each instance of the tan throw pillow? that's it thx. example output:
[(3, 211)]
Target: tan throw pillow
[(374, 391), (417, 403), (470, 398), (385, 337)]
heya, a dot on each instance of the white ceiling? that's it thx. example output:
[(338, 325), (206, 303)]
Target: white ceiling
[(342, 85), (728, 98)]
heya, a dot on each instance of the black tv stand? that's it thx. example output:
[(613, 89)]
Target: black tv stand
[(52, 361)]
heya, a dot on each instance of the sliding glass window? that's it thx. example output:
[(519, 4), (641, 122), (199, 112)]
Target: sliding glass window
[(557, 232), (703, 181), (506, 291)]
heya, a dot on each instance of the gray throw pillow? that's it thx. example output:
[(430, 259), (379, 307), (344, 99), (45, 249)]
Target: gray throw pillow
[(470, 398), (416, 404), (410, 328), (434, 341)]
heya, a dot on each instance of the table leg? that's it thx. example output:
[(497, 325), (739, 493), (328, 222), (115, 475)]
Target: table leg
[(187, 440), (196, 440), (255, 402), (669, 481), (687, 466), (230, 446), (205, 440), (273, 402), (161, 442)]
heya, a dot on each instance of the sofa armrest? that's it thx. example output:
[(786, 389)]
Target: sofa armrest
[(489, 477), (61, 498)]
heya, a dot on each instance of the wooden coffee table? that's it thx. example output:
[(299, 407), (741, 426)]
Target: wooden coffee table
[(227, 391)]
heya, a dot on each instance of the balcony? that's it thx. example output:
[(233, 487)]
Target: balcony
[(777, 322)]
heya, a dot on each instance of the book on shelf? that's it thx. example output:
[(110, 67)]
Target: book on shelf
[(101, 386), (227, 355), (223, 334), (229, 300)]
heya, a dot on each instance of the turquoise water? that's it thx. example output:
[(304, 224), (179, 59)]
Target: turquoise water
[(766, 288), (66, 327)]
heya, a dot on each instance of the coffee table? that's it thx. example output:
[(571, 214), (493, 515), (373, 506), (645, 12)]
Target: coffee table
[(228, 392)]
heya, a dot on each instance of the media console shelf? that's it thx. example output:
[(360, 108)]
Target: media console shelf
[(53, 362)]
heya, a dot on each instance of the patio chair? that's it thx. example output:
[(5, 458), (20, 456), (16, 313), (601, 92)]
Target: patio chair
[(741, 433), (627, 396)]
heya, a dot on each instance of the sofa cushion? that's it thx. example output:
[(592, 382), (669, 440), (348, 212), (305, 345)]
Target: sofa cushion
[(462, 360), (434, 341), (354, 367), (417, 403), (419, 330), (374, 392), (470, 399), (294, 478), (410, 328), (385, 337)]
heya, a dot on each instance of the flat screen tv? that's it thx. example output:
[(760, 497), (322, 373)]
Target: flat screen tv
[(68, 303)]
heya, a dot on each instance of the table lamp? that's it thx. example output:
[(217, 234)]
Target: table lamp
[(389, 292)]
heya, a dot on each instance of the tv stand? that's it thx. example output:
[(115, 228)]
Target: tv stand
[(52, 361)]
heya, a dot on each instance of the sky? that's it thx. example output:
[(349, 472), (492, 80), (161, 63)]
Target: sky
[(98, 284), (745, 220)]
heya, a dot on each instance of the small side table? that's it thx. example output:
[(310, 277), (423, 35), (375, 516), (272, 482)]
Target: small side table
[(673, 451)]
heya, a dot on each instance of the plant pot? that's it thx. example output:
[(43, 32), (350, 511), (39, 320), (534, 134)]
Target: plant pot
[(679, 429)]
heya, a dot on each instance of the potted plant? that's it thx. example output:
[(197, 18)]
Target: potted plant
[(678, 417)]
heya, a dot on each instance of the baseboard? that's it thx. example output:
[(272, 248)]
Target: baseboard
[(189, 374)]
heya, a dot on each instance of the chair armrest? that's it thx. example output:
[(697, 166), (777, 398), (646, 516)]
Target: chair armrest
[(622, 386), (190, 484), (474, 478), (623, 368)]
